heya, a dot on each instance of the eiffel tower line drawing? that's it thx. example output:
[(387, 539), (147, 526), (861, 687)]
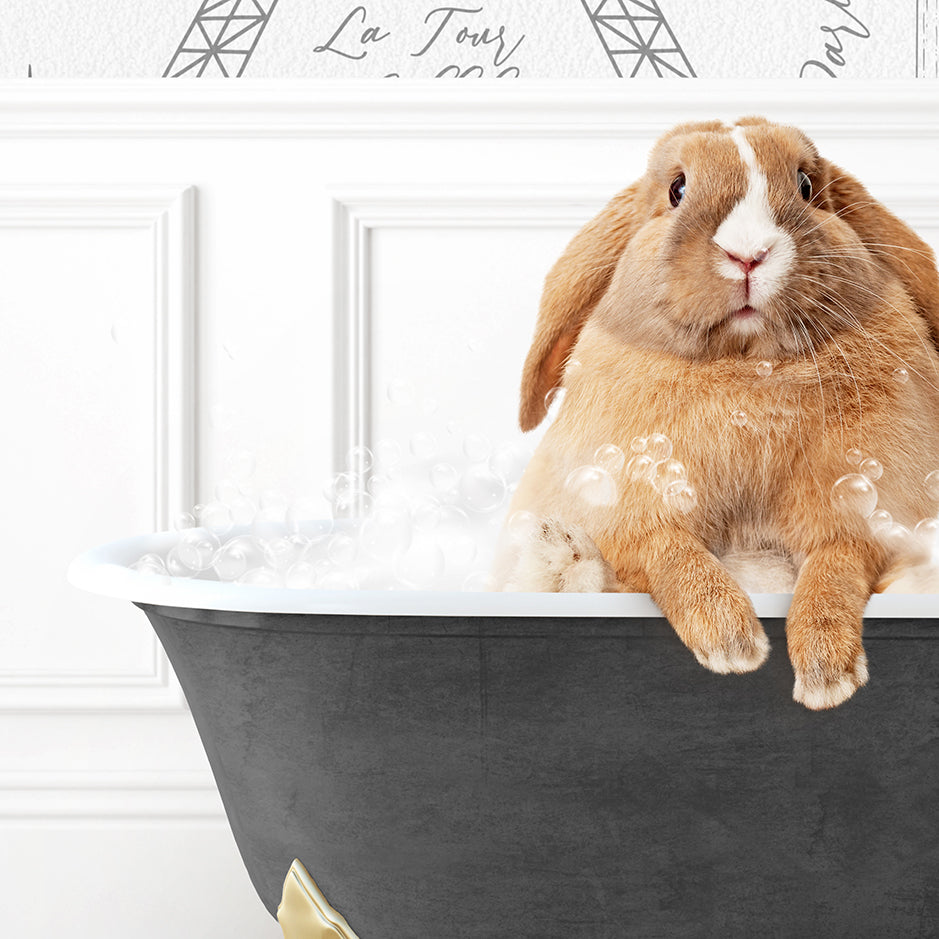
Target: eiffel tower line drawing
[(638, 39), (927, 38), (221, 38)]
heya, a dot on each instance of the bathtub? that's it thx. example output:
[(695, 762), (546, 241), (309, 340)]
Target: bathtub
[(545, 766)]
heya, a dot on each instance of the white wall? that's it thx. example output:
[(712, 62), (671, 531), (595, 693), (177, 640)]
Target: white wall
[(186, 273)]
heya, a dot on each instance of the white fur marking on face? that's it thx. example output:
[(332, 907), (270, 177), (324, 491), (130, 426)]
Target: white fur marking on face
[(750, 230)]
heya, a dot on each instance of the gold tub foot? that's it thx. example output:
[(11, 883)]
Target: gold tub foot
[(304, 913)]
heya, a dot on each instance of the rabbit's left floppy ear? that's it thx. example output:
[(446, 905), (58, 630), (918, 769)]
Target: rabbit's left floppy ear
[(892, 242), (572, 289)]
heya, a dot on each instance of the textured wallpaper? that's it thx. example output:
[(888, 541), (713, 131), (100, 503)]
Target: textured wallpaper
[(471, 38)]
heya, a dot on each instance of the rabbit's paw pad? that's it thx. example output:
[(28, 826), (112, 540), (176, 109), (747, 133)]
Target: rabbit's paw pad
[(822, 686), (560, 558)]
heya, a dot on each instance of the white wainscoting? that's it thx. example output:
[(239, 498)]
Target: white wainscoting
[(57, 306), (318, 242)]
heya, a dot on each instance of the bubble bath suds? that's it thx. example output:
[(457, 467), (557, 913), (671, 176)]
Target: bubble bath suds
[(422, 516), (402, 518)]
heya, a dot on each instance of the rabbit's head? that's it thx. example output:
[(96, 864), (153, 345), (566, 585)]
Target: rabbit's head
[(738, 240)]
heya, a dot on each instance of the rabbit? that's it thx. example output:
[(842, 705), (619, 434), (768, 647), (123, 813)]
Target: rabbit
[(748, 306)]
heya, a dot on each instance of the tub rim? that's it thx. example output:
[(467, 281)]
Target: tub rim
[(105, 570)]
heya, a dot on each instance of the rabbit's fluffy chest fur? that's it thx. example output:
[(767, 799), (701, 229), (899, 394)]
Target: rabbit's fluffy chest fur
[(757, 449)]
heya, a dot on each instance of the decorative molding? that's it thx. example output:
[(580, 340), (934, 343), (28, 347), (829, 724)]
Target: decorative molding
[(304, 913), (167, 213), (100, 798), (357, 213), (315, 108)]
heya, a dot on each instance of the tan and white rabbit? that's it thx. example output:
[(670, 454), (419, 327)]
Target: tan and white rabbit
[(753, 306)]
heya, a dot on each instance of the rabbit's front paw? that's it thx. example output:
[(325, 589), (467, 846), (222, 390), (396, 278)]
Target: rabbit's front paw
[(560, 558), (728, 637), (828, 675)]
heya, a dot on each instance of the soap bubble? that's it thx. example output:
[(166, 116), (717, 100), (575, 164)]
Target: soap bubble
[(421, 563), (872, 469), (666, 472), (854, 494), (305, 515), (359, 459), (640, 467), (150, 564), (269, 524), (592, 484), (340, 483), (932, 485), (739, 417), (379, 487), (273, 500), (609, 457), (196, 548), (478, 582), (423, 445), (639, 444), (901, 376), (681, 495), (301, 576), (281, 553), (522, 526), (242, 510), (261, 577), (388, 455), (341, 549), (853, 457), (927, 531), (509, 460), (444, 477), (897, 539), (184, 520), (400, 392), (429, 405), (217, 517), (385, 531), (477, 447), (236, 557), (880, 520), (659, 447), (175, 566), (764, 369), (426, 512), (481, 490), (352, 502)]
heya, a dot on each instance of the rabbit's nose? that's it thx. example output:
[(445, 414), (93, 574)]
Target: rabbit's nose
[(748, 263)]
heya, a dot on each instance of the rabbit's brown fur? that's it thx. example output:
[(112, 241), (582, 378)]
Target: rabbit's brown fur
[(647, 335)]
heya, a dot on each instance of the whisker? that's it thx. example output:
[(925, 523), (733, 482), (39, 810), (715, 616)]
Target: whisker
[(902, 314)]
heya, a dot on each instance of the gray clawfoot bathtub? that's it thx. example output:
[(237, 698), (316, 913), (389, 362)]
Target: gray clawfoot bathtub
[(544, 766)]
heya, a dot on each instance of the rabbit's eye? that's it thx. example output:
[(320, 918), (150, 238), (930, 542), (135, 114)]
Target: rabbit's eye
[(676, 191), (805, 185)]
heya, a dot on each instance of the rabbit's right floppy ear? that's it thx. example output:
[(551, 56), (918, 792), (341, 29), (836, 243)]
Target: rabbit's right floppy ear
[(891, 241), (572, 289)]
